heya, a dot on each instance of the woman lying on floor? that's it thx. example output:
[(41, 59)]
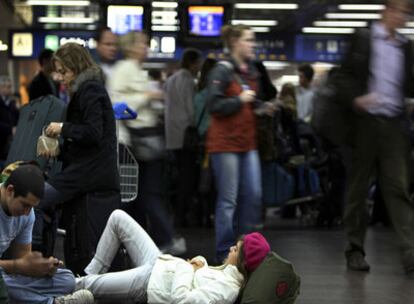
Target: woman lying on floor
[(160, 278)]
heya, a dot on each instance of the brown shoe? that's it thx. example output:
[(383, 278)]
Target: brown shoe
[(355, 260)]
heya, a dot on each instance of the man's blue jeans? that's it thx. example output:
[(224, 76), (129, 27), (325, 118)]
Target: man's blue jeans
[(23, 289), (239, 197)]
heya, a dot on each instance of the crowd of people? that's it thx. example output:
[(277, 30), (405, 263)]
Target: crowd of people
[(226, 117)]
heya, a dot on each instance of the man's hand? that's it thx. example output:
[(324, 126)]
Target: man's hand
[(35, 265), (364, 102), (155, 95)]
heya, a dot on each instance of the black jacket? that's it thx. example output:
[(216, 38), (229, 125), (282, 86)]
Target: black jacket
[(9, 116), (89, 152), (41, 85)]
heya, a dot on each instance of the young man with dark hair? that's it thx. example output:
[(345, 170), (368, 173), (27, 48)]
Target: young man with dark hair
[(43, 84), (377, 76), (304, 93), (179, 114), (29, 277)]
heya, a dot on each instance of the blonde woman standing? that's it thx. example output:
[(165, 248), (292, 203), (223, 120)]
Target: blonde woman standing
[(130, 83)]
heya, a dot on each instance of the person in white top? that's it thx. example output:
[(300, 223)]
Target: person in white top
[(160, 278), (304, 93), (130, 83)]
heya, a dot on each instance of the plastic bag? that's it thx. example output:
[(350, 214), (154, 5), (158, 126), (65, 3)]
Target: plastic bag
[(47, 146)]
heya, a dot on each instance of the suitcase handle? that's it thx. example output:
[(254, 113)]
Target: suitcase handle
[(123, 112)]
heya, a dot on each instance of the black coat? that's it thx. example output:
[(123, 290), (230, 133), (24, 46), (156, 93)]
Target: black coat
[(9, 116), (89, 152), (41, 85)]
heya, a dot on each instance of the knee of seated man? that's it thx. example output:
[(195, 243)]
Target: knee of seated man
[(64, 280)]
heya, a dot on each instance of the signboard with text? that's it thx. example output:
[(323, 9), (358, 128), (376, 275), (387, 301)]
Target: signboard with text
[(29, 44)]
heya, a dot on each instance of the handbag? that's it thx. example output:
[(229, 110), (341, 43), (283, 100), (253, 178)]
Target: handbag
[(148, 144), (47, 145)]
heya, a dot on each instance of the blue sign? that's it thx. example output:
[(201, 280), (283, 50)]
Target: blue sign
[(325, 48)]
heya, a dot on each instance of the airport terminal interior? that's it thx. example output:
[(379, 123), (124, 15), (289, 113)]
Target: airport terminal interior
[(303, 132)]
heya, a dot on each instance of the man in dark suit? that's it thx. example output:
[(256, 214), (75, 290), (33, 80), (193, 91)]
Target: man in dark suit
[(43, 84), (377, 76)]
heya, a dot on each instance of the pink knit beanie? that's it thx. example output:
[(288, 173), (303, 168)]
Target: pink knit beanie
[(255, 250)]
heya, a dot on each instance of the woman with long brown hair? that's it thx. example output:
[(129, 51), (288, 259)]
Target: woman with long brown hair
[(158, 278)]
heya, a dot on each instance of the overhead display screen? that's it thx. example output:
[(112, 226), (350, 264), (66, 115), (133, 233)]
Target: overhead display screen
[(124, 18), (205, 20)]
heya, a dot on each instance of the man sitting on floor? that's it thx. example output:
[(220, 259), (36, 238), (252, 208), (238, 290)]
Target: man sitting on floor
[(28, 276)]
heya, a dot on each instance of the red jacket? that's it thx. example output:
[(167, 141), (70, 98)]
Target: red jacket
[(233, 123)]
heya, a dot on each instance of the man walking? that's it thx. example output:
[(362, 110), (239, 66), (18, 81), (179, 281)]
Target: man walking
[(377, 76)]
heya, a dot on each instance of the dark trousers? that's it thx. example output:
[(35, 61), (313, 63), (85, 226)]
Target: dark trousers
[(380, 146), (4, 299), (149, 208), (186, 185)]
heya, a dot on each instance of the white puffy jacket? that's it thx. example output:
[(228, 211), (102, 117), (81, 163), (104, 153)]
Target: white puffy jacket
[(174, 281)]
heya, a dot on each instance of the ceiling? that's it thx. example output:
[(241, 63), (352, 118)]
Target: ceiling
[(288, 20)]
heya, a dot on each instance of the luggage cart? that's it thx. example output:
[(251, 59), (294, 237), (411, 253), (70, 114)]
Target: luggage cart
[(127, 164)]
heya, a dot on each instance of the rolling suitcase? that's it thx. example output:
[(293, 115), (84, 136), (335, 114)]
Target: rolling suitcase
[(277, 184)]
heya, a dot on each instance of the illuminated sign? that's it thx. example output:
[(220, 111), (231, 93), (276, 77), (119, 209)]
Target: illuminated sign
[(52, 42), (22, 44)]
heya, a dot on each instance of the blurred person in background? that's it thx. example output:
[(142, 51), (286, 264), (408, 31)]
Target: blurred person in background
[(43, 84), (287, 99), (106, 51), (304, 92), (145, 135), (231, 139), (23, 90), (179, 114), (9, 116), (377, 76), (206, 193), (201, 112)]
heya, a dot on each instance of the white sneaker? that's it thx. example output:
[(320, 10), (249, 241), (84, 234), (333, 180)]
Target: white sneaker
[(82, 296)]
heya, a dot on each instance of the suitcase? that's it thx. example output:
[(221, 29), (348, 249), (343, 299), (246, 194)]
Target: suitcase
[(84, 220), (308, 182), (277, 184), (33, 118)]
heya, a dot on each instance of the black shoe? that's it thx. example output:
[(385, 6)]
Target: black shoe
[(408, 262), (409, 274), (355, 260)]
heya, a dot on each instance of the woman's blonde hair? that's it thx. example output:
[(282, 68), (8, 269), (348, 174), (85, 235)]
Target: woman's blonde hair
[(230, 33), (127, 41), (75, 57)]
